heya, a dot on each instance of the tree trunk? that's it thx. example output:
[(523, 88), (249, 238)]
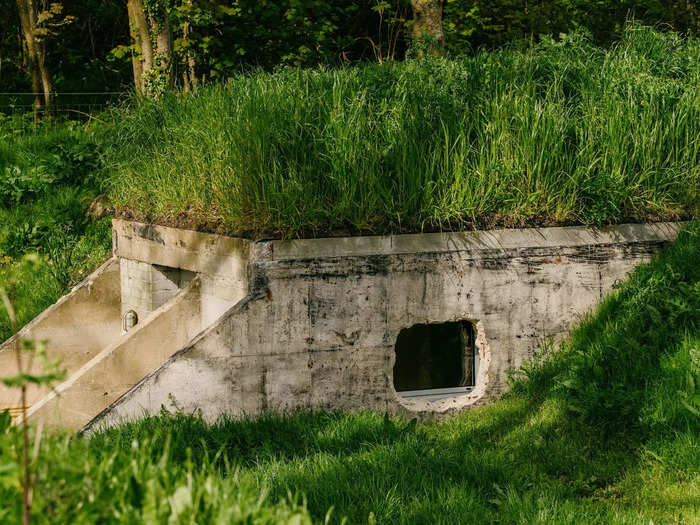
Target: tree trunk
[(164, 49), (36, 52), (151, 61), (427, 25), (136, 60), (142, 57), (46, 81), (189, 76)]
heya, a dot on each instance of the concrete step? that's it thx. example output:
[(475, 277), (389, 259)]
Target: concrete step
[(75, 329), (119, 366)]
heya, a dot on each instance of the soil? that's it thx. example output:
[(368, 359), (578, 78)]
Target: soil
[(200, 222)]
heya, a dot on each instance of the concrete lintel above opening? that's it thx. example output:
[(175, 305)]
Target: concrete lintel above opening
[(183, 249)]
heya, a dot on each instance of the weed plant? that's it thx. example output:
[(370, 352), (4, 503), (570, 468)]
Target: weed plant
[(558, 134)]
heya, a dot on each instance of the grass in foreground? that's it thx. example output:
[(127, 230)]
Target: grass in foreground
[(607, 430), (559, 134)]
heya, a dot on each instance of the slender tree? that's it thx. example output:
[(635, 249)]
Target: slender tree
[(152, 46), (189, 75), (427, 25), (35, 48)]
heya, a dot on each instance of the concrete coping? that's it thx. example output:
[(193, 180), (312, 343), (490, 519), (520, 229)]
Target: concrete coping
[(505, 239), (210, 253), (184, 249)]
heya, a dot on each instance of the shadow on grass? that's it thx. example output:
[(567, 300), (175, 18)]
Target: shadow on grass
[(469, 468)]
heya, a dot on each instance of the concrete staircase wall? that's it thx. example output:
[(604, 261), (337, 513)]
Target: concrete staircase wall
[(75, 329)]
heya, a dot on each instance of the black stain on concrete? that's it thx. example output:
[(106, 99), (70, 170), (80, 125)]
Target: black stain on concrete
[(149, 232)]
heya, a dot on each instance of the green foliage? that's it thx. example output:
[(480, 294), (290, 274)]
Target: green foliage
[(562, 133), (226, 36), (473, 24), (634, 364), (77, 52), (75, 487), (93, 52), (33, 164), (44, 210), (69, 251)]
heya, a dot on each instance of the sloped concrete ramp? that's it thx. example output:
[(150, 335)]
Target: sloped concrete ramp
[(118, 367), (75, 329)]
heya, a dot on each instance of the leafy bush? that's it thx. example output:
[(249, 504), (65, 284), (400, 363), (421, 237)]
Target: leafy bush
[(16, 185), (36, 163), (298, 33), (476, 24)]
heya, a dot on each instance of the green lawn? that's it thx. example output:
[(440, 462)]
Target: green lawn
[(606, 430)]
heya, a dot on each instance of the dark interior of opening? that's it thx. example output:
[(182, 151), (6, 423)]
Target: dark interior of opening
[(433, 356)]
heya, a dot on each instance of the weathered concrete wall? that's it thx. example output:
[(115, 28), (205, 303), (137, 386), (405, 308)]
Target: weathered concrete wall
[(187, 283), (76, 328), (118, 367), (220, 262), (147, 287), (318, 326)]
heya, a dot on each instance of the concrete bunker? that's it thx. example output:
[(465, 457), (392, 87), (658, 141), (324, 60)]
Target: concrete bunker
[(436, 361), (235, 327)]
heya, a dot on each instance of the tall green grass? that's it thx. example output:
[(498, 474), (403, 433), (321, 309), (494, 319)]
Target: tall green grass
[(607, 431), (562, 133)]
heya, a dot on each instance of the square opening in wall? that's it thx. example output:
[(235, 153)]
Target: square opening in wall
[(434, 361)]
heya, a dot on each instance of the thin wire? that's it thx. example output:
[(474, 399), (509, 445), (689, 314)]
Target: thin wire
[(77, 93)]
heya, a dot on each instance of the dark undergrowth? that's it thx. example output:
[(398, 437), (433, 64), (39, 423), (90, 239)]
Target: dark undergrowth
[(606, 430)]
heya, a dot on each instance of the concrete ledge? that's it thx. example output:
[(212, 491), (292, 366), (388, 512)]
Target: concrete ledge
[(506, 239), (187, 250)]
